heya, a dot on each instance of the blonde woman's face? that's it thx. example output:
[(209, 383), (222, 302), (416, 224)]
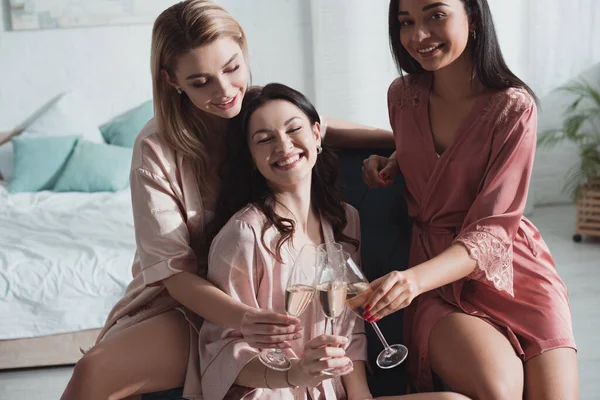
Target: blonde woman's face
[(214, 77)]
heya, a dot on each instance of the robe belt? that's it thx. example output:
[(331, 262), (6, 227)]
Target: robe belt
[(435, 230)]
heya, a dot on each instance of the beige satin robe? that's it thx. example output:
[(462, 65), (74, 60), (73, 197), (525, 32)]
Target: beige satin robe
[(169, 220), (241, 266)]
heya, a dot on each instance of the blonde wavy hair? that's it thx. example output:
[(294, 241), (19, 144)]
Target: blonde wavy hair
[(177, 30)]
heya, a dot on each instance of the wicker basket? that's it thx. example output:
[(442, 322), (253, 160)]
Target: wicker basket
[(588, 212)]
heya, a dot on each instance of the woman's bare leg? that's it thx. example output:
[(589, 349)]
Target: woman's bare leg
[(147, 357), (552, 375), (474, 359)]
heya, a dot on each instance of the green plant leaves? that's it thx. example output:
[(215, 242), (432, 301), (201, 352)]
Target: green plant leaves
[(581, 126)]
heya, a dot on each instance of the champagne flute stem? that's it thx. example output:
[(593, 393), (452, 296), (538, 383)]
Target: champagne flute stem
[(333, 326), (325, 330), (380, 336)]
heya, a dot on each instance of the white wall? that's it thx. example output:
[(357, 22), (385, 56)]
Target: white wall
[(344, 64), (352, 60), (110, 65)]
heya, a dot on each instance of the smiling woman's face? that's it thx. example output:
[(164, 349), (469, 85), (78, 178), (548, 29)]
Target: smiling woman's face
[(283, 143), (435, 33), (214, 77)]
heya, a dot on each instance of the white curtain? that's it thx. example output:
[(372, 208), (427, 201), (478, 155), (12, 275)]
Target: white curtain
[(559, 43), (545, 42), (352, 63)]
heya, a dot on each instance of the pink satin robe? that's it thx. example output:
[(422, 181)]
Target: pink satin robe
[(475, 194), (241, 266), (169, 218)]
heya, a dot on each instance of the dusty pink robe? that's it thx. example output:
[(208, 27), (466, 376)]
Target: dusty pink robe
[(475, 194), (241, 266), (169, 219)]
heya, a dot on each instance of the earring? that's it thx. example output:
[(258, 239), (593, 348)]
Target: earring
[(474, 34), (178, 91), (319, 149)]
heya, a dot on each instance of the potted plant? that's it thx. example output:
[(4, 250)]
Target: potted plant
[(581, 126)]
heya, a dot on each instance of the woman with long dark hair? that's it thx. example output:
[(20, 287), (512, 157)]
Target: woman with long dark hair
[(279, 195), (485, 310)]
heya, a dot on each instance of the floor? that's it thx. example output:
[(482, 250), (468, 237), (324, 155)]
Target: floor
[(578, 264)]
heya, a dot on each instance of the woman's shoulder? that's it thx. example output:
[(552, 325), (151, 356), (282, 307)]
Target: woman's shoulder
[(352, 221), (509, 104), (242, 228), (151, 151), (249, 218), (405, 91), (351, 211)]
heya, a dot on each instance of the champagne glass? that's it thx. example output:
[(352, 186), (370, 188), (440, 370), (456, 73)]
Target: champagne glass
[(331, 291), (334, 252), (299, 293), (359, 292)]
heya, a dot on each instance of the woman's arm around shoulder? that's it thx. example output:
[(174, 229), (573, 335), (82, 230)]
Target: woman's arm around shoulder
[(166, 256)]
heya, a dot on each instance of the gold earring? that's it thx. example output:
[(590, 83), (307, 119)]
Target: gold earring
[(474, 34), (178, 91)]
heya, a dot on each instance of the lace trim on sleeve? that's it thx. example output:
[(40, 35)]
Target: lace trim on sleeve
[(404, 92), (494, 259), (507, 105)]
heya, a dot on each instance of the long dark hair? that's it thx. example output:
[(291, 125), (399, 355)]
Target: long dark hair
[(488, 62), (242, 184)]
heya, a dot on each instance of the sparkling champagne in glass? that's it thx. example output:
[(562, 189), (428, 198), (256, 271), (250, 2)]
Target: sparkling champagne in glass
[(331, 291), (299, 293), (358, 293)]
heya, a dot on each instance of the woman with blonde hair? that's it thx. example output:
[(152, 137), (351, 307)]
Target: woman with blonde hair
[(150, 340)]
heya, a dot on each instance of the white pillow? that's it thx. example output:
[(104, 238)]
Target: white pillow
[(6, 161), (65, 117)]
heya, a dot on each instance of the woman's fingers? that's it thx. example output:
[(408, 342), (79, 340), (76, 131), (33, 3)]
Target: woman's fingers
[(271, 330), (259, 316), (370, 169), (389, 172), (329, 363), (274, 338), (257, 344), (267, 329), (325, 352), (389, 298), (398, 303), (380, 288), (326, 340)]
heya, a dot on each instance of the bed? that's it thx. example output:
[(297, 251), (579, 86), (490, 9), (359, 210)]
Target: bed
[(64, 262)]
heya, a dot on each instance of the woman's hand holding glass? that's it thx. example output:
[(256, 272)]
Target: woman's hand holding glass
[(265, 329), (299, 293), (390, 293), (359, 294), (331, 291), (321, 354)]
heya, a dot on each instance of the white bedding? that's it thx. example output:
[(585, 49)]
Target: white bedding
[(65, 260)]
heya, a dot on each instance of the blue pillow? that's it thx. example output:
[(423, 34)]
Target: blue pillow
[(122, 130), (95, 167), (39, 161)]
